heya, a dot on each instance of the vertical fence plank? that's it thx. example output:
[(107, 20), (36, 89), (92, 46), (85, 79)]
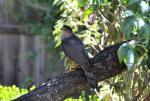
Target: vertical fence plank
[(24, 67), (8, 59), (1, 58), (39, 64)]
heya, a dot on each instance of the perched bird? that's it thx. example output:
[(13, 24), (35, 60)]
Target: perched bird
[(74, 49)]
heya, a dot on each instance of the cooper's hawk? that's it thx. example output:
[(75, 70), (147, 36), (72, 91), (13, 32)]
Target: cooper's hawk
[(73, 48)]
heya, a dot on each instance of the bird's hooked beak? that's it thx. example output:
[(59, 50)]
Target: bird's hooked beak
[(66, 32)]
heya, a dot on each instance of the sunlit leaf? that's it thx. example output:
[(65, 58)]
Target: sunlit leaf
[(144, 7), (140, 22), (58, 44), (129, 61), (86, 14), (127, 13), (122, 52)]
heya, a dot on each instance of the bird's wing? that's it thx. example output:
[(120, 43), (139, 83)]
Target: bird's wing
[(74, 49)]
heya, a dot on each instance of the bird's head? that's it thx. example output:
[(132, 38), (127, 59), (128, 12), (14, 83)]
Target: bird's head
[(66, 28), (66, 32)]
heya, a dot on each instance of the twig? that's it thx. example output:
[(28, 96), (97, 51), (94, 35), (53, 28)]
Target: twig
[(103, 18)]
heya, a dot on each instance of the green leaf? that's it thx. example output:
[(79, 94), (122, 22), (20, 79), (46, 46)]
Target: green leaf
[(127, 13), (57, 44), (140, 22), (133, 5), (81, 3), (129, 61), (86, 14), (127, 26), (122, 51), (144, 34), (144, 7), (140, 49)]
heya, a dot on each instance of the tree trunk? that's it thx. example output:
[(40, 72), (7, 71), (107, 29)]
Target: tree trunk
[(106, 65)]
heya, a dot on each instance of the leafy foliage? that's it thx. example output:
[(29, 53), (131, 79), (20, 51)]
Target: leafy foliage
[(135, 25), (83, 97), (8, 93), (100, 23)]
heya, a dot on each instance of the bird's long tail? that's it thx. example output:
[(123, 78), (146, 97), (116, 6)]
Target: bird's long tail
[(90, 78), (87, 67)]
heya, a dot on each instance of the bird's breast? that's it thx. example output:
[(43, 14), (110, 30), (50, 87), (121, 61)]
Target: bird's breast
[(69, 41)]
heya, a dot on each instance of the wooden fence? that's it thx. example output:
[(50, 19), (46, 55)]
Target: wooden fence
[(21, 56)]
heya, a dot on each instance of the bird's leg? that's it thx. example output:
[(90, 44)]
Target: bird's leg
[(72, 66)]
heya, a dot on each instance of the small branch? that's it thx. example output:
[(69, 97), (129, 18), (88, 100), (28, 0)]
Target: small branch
[(106, 65), (103, 18)]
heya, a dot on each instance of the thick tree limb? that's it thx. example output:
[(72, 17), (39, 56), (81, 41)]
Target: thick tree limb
[(106, 65)]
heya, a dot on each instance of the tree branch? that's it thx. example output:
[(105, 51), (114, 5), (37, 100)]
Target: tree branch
[(106, 65)]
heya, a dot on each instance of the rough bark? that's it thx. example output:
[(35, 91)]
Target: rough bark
[(147, 98), (106, 65)]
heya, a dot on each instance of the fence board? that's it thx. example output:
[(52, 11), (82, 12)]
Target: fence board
[(24, 66), (1, 59), (39, 63), (8, 59), (16, 61)]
